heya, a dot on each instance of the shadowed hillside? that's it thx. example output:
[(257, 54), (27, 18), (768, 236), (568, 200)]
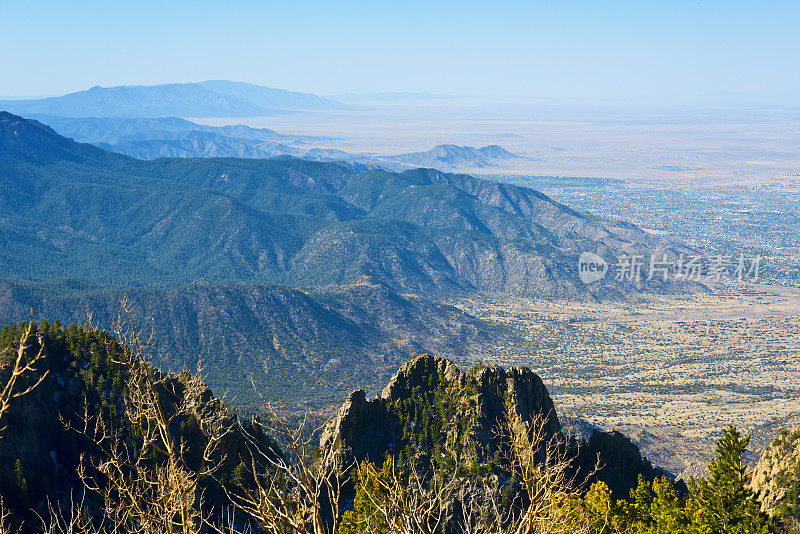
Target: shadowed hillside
[(72, 208)]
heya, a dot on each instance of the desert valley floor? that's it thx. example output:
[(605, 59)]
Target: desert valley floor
[(666, 370)]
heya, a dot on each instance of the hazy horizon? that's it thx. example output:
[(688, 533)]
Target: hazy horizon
[(687, 52), (464, 101)]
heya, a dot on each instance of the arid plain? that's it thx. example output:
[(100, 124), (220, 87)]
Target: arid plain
[(646, 145), (666, 370), (671, 371)]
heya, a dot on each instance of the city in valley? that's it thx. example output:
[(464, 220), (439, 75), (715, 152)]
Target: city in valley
[(400, 267)]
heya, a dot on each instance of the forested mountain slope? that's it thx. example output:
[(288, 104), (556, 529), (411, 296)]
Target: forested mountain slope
[(292, 347), (76, 211), (309, 278)]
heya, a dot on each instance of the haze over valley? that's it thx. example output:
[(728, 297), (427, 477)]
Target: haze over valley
[(418, 269), (425, 271)]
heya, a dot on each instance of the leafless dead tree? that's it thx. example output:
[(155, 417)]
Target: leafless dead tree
[(549, 487), (147, 487), (290, 491), (406, 502), (145, 483), (5, 523), (74, 519), (547, 497), (548, 477), (22, 365)]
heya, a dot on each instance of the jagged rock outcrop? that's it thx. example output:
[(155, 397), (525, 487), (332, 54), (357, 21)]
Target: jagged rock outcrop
[(475, 403), (42, 443), (417, 371), (368, 430), (237, 437), (362, 430)]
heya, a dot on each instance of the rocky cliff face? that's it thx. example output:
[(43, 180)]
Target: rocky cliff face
[(775, 476), (432, 403), (370, 429), (41, 446)]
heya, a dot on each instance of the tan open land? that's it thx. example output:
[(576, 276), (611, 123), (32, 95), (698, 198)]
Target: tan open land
[(669, 370), (645, 146)]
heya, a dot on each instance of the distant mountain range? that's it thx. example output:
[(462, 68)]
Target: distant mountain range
[(299, 274), (109, 131), (173, 137), (143, 121), (216, 98), (456, 157)]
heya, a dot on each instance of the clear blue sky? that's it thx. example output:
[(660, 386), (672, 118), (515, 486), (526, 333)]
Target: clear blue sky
[(669, 50)]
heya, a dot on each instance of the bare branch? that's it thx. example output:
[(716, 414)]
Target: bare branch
[(22, 366)]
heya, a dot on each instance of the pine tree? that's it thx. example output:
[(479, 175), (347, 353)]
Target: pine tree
[(21, 483), (366, 517), (667, 513), (723, 503)]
